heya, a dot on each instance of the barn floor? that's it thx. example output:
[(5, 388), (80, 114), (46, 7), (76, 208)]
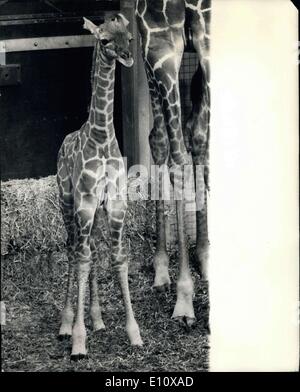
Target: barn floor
[(33, 290)]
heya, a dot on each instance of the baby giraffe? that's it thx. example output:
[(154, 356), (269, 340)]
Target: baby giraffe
[(90, 173)]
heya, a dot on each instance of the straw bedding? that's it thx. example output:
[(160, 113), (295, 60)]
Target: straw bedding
[(34, 274)]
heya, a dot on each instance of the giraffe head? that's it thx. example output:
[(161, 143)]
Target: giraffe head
[(114, 38)]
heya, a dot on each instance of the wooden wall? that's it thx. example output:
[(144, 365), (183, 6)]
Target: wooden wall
[(137, 117)]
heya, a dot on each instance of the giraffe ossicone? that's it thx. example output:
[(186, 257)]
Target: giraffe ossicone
[(83, 178)]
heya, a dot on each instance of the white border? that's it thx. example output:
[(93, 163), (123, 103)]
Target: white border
[(254, 266)]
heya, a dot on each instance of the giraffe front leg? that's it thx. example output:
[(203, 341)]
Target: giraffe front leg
[(202, 243), (67, 314), (184, 310), (159, 148), (132, 328), (116, 214), (199, 130), (161, 258), (84, 219), (79, 331), (95, 309), (200, 24)]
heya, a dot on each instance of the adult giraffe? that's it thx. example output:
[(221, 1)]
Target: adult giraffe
[(165, 26)]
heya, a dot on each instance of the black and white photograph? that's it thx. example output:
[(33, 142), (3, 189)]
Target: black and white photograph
[(149, 188)]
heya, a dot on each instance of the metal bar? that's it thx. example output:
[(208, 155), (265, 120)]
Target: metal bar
[(51, 15), (46, 43), (38, 19), (40, 15)]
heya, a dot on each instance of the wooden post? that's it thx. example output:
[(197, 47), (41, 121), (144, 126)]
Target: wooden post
[(135, 99)]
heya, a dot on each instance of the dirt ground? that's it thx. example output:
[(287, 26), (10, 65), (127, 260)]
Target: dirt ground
[(33, 288)]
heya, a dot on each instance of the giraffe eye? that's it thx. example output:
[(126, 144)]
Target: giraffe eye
[(104, 42)]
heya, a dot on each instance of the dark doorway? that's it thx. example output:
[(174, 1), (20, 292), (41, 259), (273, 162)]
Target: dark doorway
[(52, 97)]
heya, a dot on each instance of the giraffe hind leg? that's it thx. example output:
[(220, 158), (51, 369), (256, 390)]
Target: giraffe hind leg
[(159, 145)]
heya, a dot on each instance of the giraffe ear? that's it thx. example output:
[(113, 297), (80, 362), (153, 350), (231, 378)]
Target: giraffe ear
[(125, 21), (88, 25)]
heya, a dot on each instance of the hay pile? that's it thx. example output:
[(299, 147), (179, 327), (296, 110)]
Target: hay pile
[(31, 221), (30, 216)]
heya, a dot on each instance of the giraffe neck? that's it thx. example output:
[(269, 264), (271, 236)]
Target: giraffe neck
[(100, 118)]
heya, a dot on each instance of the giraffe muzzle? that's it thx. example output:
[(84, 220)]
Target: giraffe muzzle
[(125, 59), (127, 63)]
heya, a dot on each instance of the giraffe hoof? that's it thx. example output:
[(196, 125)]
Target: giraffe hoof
[(186, 322), (98, 331), (64, 337), (78, 357), (98, 326), (134, 335), (162, 288), (137, 343)]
